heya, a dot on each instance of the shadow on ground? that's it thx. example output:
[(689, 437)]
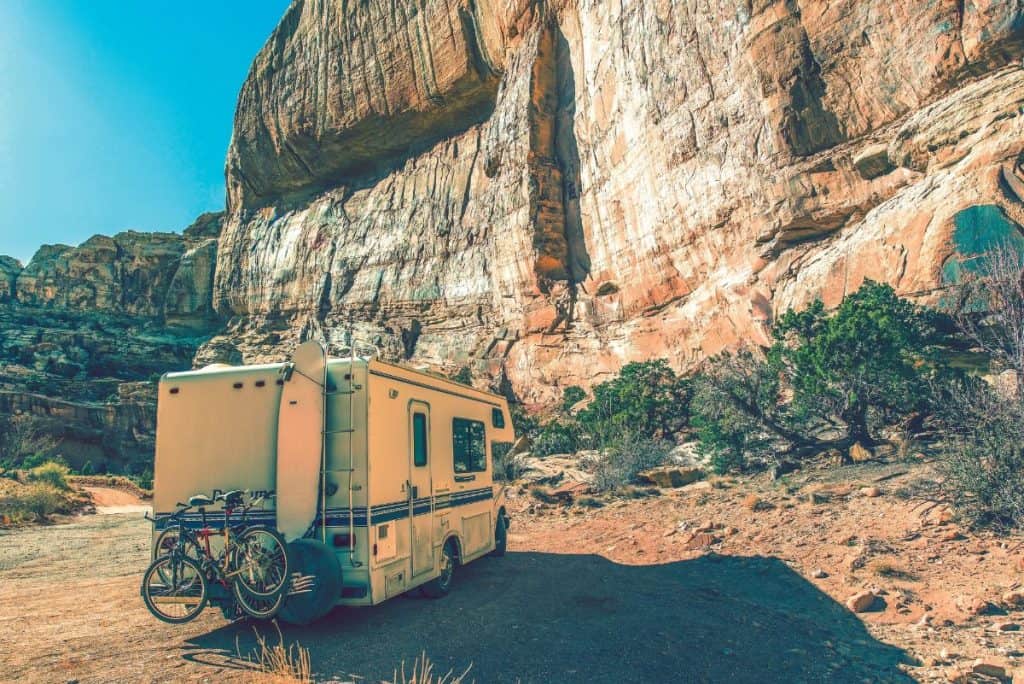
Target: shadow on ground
[(538, 617)]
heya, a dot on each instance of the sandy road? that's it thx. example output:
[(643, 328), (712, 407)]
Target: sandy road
[(69, 610)]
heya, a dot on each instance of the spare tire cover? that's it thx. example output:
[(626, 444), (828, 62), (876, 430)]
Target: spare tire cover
[(311, 557)]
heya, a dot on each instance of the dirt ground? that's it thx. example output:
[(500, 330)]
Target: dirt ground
[(627, 592)]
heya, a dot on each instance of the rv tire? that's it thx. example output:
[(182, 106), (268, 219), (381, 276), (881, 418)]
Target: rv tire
[(442, 584), (500, 535), (309, 557)]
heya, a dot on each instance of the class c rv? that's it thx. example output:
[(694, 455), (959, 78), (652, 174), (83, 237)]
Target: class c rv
[(381, 475)]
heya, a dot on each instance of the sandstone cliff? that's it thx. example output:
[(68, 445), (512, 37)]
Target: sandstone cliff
[(544, 191)]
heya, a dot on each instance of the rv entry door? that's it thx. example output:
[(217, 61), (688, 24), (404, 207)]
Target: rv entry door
[(421, 507)]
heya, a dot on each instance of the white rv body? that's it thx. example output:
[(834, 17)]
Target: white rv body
[(385, 508)]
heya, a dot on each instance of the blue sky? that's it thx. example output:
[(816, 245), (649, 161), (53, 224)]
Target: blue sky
[(116, 115)]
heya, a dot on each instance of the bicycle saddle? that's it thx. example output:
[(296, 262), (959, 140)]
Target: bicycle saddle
[(199, 500), (232, 498)]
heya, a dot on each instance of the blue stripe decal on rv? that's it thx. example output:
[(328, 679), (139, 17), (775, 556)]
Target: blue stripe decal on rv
[(340, 517)]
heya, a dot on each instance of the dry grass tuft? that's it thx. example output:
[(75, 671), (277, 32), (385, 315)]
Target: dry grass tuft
[(279, 664), (544, 495), (884, 568), (423, 673)]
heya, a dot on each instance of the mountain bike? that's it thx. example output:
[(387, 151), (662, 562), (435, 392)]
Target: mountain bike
[(251, 570)]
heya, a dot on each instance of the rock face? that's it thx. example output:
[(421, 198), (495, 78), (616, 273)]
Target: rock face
[(544, 191), (85, 330)]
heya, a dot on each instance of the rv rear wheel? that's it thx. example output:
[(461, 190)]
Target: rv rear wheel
[(442, 584), (312, 560)]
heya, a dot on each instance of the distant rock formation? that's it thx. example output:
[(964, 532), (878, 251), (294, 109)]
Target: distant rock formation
[(85, 330)]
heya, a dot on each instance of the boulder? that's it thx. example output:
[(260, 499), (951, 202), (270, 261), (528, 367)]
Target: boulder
[(668, 477), (552, 470), (862, 601)]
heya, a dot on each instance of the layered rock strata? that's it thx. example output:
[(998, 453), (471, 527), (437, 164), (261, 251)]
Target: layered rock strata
[(544, 191), (85, 331)]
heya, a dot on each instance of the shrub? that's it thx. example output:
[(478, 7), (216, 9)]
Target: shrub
[(557, 437), (464, 376), (88, 468), (52, 473), (145, 479), (571, 396), (982, 450), (988, 308), (524, 423), (24, 442), (829, 381), (647, 399), (33, 502), (629, 455), (506, 467), (982, 454)]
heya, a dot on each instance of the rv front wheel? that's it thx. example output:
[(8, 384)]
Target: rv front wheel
[(500, 536), (442, 584)]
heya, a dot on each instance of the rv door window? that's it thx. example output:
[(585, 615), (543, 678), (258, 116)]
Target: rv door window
[(468, 446), (497, 418), (419, 439)]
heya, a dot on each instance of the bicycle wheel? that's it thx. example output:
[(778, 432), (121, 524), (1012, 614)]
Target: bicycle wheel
[(261, 607), (167, 541), (180, 597), (260, 562)]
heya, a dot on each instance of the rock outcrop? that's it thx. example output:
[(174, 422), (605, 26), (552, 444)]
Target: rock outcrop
[(546, 190), (85, 330)]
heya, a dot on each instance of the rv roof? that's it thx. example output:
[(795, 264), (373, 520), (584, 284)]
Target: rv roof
[(380, 367), (220, 368), (412, 374)]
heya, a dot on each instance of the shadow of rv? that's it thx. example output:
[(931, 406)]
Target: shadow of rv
[(539, 617)]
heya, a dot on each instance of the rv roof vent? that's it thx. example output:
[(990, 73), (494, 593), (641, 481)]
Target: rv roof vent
[(237, 385), (175, 390), (261, 383)]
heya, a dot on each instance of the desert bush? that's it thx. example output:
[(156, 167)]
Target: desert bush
[(463, 376), (52, 473), (557, 437), (571, 396), (829, 381), (981, 451), (988, 307), (981, 454), (506, 466), (523, 421), (145, 478), (626, 457), (33, 502), (647, 399), (24, 442)]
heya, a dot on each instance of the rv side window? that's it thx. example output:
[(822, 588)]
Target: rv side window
[(497, 418), (468, 446), (419, 439)]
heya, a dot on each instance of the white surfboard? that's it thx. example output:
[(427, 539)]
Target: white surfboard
[(300, 441)]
